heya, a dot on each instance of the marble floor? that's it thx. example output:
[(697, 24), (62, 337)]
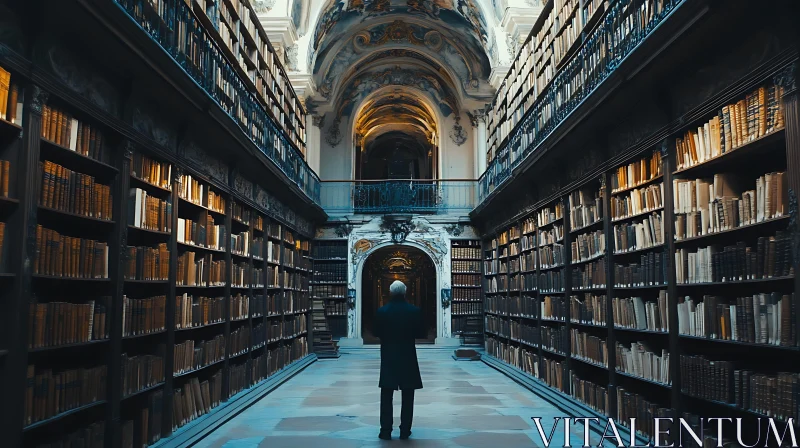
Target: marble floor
[(334, 404)]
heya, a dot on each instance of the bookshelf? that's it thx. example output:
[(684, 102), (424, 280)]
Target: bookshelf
[(162, 269), (679, 267), (235, 27), (329, 287), (467, 294)]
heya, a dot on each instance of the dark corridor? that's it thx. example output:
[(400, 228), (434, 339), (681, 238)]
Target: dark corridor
[(412, 267)]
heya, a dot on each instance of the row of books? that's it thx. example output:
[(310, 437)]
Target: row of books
[(758, 114), (92, 436), (191, 311), (142, 371), (195, 399), (145, 428), (647, 233), (466, 280), (190, 355), (239, 341), (203, 270), (636, 173), (146, 211), (588, 348), (650, 270), (551, 256), (464, 308), (70, 191), (637, 201), (207, 234), (588, 245), (49, 393), (240, 244), (551, 236), (638, 314), (11, 99), (772, 394), (245, 276), (583, 209), (770, 258), (632, 405), (240, 213), (151, 171), (330, 272), (704, 207), (551, 282), (194, 191), (143, 316), (465, 266), (589, 275), (763, 318), (239, 307), (555, 339), (147, 263), (465, 252), (589, 309), (326, 250), (64, 256), (329, 291), (5, 177), (467, 294), (62, 128), (641, 361), (54, 324)]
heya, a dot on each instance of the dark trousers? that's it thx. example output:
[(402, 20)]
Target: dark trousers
[(406, 410)]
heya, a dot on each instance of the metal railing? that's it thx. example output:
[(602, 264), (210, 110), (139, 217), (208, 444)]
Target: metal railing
[(344, 197), (173, 26), (626, 24)]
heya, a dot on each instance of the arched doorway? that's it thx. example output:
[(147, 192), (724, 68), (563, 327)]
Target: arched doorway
[(412, 267)]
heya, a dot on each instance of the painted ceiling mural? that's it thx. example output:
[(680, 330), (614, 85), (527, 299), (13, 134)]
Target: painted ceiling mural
[(395, 111)]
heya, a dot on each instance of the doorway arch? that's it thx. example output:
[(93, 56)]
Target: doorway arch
[(408, 264)]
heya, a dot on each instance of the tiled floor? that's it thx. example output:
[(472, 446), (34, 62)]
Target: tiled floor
[(334, 404)]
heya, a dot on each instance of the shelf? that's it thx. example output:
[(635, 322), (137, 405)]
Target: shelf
[(465, 272), (201, 206), (590, 289), (137, 336), (635, 330), (189, 372), (7, 127), (781, 219), (467, 286), (200, 326), (193, 246), (550, 268), (587, 226), (241, 256), (639, 185), (738, 282), (67, 346), (752, 148), (640, 287), (636, 215), (74, 217), (62, 415), (638, 378), (142, 391), (154, 282), (553, 352), (600, 327), (154, 232), (638, 251), (146, 184), (8, 202), (199, 287), (57, 278), (785, 348), (327, 283), (588, 260), (589, 362), (61, 154), (453, 259)]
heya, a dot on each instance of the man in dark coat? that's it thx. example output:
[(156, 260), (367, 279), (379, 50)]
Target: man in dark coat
[(397, 324)]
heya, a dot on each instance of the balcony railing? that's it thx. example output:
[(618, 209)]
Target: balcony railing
[(173, 26), (626, 24), (398, 196)]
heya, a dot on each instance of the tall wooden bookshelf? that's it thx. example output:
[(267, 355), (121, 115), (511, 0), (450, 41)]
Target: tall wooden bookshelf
[(467, 291), (134, 279), (329, 286), (676, 292)]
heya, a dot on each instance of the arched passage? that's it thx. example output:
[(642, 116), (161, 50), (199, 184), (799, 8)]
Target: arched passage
[(409, 265)]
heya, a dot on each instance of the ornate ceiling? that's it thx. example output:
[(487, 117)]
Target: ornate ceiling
[(435, 51)]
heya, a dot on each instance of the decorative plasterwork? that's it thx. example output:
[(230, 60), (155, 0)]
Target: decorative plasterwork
[(457, 134), (263, 6), (280, 30)]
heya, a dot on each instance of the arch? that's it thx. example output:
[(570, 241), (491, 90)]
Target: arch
[(354, 324), (424, 100)]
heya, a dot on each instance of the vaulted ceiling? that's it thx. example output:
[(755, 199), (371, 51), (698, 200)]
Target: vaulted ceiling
[(435, 48)]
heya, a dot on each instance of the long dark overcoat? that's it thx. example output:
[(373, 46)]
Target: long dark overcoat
[(397, 324)]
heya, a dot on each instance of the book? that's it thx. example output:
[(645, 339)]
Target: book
[(69, 191), (190, 355), (143, 316), (588, 309), (142, 371), (147, 263), (149, 212), (64, 256), (640, 360), (5, 177), (640, 314), (193, 311), (53, 391), (151, 171), (61, 128), (145, 428), (54, 324)]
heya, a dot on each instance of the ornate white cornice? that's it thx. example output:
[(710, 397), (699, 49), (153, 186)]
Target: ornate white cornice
[(280, 30), (498, 73), (303, 84), (519, 21)]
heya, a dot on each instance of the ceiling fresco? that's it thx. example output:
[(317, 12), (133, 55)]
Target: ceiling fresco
[(395, 111)]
